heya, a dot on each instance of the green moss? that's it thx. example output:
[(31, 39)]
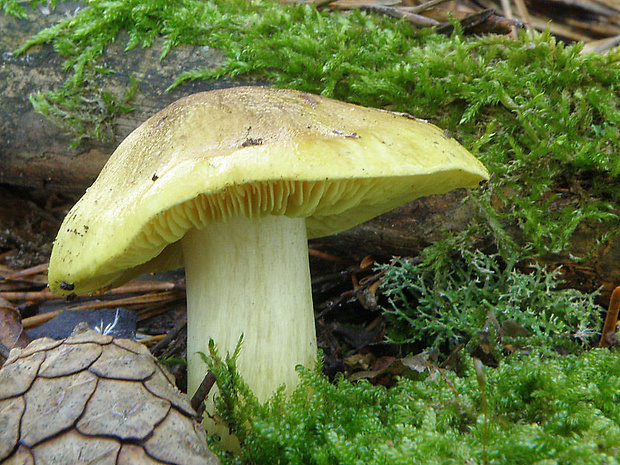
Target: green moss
[(542, 116), (85, 111), (13, 7), (542, 409)]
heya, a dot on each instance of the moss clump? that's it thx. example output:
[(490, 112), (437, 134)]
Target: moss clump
[(542, 409), (13, 7), (542, 116), (85, 111)]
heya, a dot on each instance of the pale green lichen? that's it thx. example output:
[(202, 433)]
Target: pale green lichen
[(456, 295)]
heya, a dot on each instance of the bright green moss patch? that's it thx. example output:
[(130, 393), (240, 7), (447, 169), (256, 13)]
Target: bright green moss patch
[(545, 120), (542, 409)]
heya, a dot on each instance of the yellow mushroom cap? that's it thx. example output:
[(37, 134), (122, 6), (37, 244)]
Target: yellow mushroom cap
[(249, 151)]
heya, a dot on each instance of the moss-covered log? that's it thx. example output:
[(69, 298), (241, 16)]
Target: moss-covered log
[(35, 152)]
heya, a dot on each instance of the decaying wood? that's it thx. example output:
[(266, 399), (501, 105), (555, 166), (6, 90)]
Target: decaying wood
[(409, 229), (35, 152)]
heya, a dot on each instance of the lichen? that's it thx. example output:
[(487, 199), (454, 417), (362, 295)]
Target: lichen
[(457, 295)]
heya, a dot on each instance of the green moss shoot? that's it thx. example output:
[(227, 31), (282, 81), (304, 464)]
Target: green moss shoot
[(13, 7), (542, 409), (544, 119)]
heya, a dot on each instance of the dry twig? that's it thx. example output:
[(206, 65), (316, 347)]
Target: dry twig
[(608, 334)]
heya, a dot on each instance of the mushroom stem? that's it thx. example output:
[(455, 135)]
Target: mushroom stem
[(251, 277)]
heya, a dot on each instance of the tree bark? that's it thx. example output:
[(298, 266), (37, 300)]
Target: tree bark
[(35, 152)]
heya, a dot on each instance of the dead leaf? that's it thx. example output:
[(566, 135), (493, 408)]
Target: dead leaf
[(11, 331)]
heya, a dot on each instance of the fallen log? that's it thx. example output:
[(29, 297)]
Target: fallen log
[(35, 152)]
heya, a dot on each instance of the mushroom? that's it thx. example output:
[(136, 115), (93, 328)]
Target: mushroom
[(231, 183)]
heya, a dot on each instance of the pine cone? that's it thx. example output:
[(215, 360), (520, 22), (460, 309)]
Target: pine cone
[(92, 399)]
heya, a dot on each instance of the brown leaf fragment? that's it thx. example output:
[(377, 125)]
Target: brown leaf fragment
[(16, 378), (358, 361), (419, 362), (11, 411), (118, 363), (22, 456), (54, 404), (181, 441), (69, 358), (123, 409), (384, 366), (132, 455), (159, 385), (11, 331), (71, 448)]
